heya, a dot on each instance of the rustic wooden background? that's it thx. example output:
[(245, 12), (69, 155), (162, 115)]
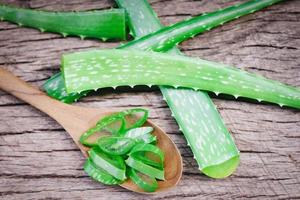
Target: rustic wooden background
[(38, 160)]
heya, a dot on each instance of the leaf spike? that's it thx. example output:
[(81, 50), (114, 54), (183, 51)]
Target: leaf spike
[(42, 30), (104, 39), (64, 34), (217, 93), (20, 24), (131, 33), (180, 129), (82, 37), (172, 114), (281, 105)]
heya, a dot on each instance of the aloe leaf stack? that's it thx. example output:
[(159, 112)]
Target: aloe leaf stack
[(218, 166)]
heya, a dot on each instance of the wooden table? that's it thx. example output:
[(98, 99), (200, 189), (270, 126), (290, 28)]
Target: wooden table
[(38, 160)]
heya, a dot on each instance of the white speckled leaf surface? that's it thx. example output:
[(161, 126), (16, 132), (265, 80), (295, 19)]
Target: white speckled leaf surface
[(111, 68), (144, 21)]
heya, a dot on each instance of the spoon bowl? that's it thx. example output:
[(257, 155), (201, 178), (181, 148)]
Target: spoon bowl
[(76, 120)]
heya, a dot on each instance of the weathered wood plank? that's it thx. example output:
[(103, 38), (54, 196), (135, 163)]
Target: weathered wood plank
[(38, 160)]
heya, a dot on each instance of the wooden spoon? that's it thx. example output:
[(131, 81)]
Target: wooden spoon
[(76, 120)]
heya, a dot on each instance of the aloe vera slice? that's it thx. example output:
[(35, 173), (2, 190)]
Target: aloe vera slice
[(99, 174), (113, 165), (103, 24), (115, 145), (163, 39), (148, 154), (147, 183), (113, 124), (134, 118), (107, 68), (141, 134), (144, 168)]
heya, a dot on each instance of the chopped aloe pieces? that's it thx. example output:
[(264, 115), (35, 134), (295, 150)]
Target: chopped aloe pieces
[(109, 68), (106, 157)]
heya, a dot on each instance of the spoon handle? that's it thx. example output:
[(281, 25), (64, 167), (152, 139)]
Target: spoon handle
[(19, 88)]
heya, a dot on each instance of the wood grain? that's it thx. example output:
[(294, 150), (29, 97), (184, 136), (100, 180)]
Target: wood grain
[(38, 160)]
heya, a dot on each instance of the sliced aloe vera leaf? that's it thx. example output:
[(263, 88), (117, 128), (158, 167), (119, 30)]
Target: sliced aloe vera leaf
[(148, 148), (99, 174), (146, 183), (112, 124), (144, 168), (141, 134), (134, 118), (115, 145), (113, 165), (134, 67), (148, 154), (101, 24)]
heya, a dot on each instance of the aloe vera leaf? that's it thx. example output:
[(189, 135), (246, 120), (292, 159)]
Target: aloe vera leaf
[(220, 165), (110, 68), (56, 86), (166, 38), (103, 24)]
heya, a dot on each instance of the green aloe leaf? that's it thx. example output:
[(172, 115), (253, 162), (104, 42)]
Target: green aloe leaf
[(112, 68), (144, 21), (103, 24)]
